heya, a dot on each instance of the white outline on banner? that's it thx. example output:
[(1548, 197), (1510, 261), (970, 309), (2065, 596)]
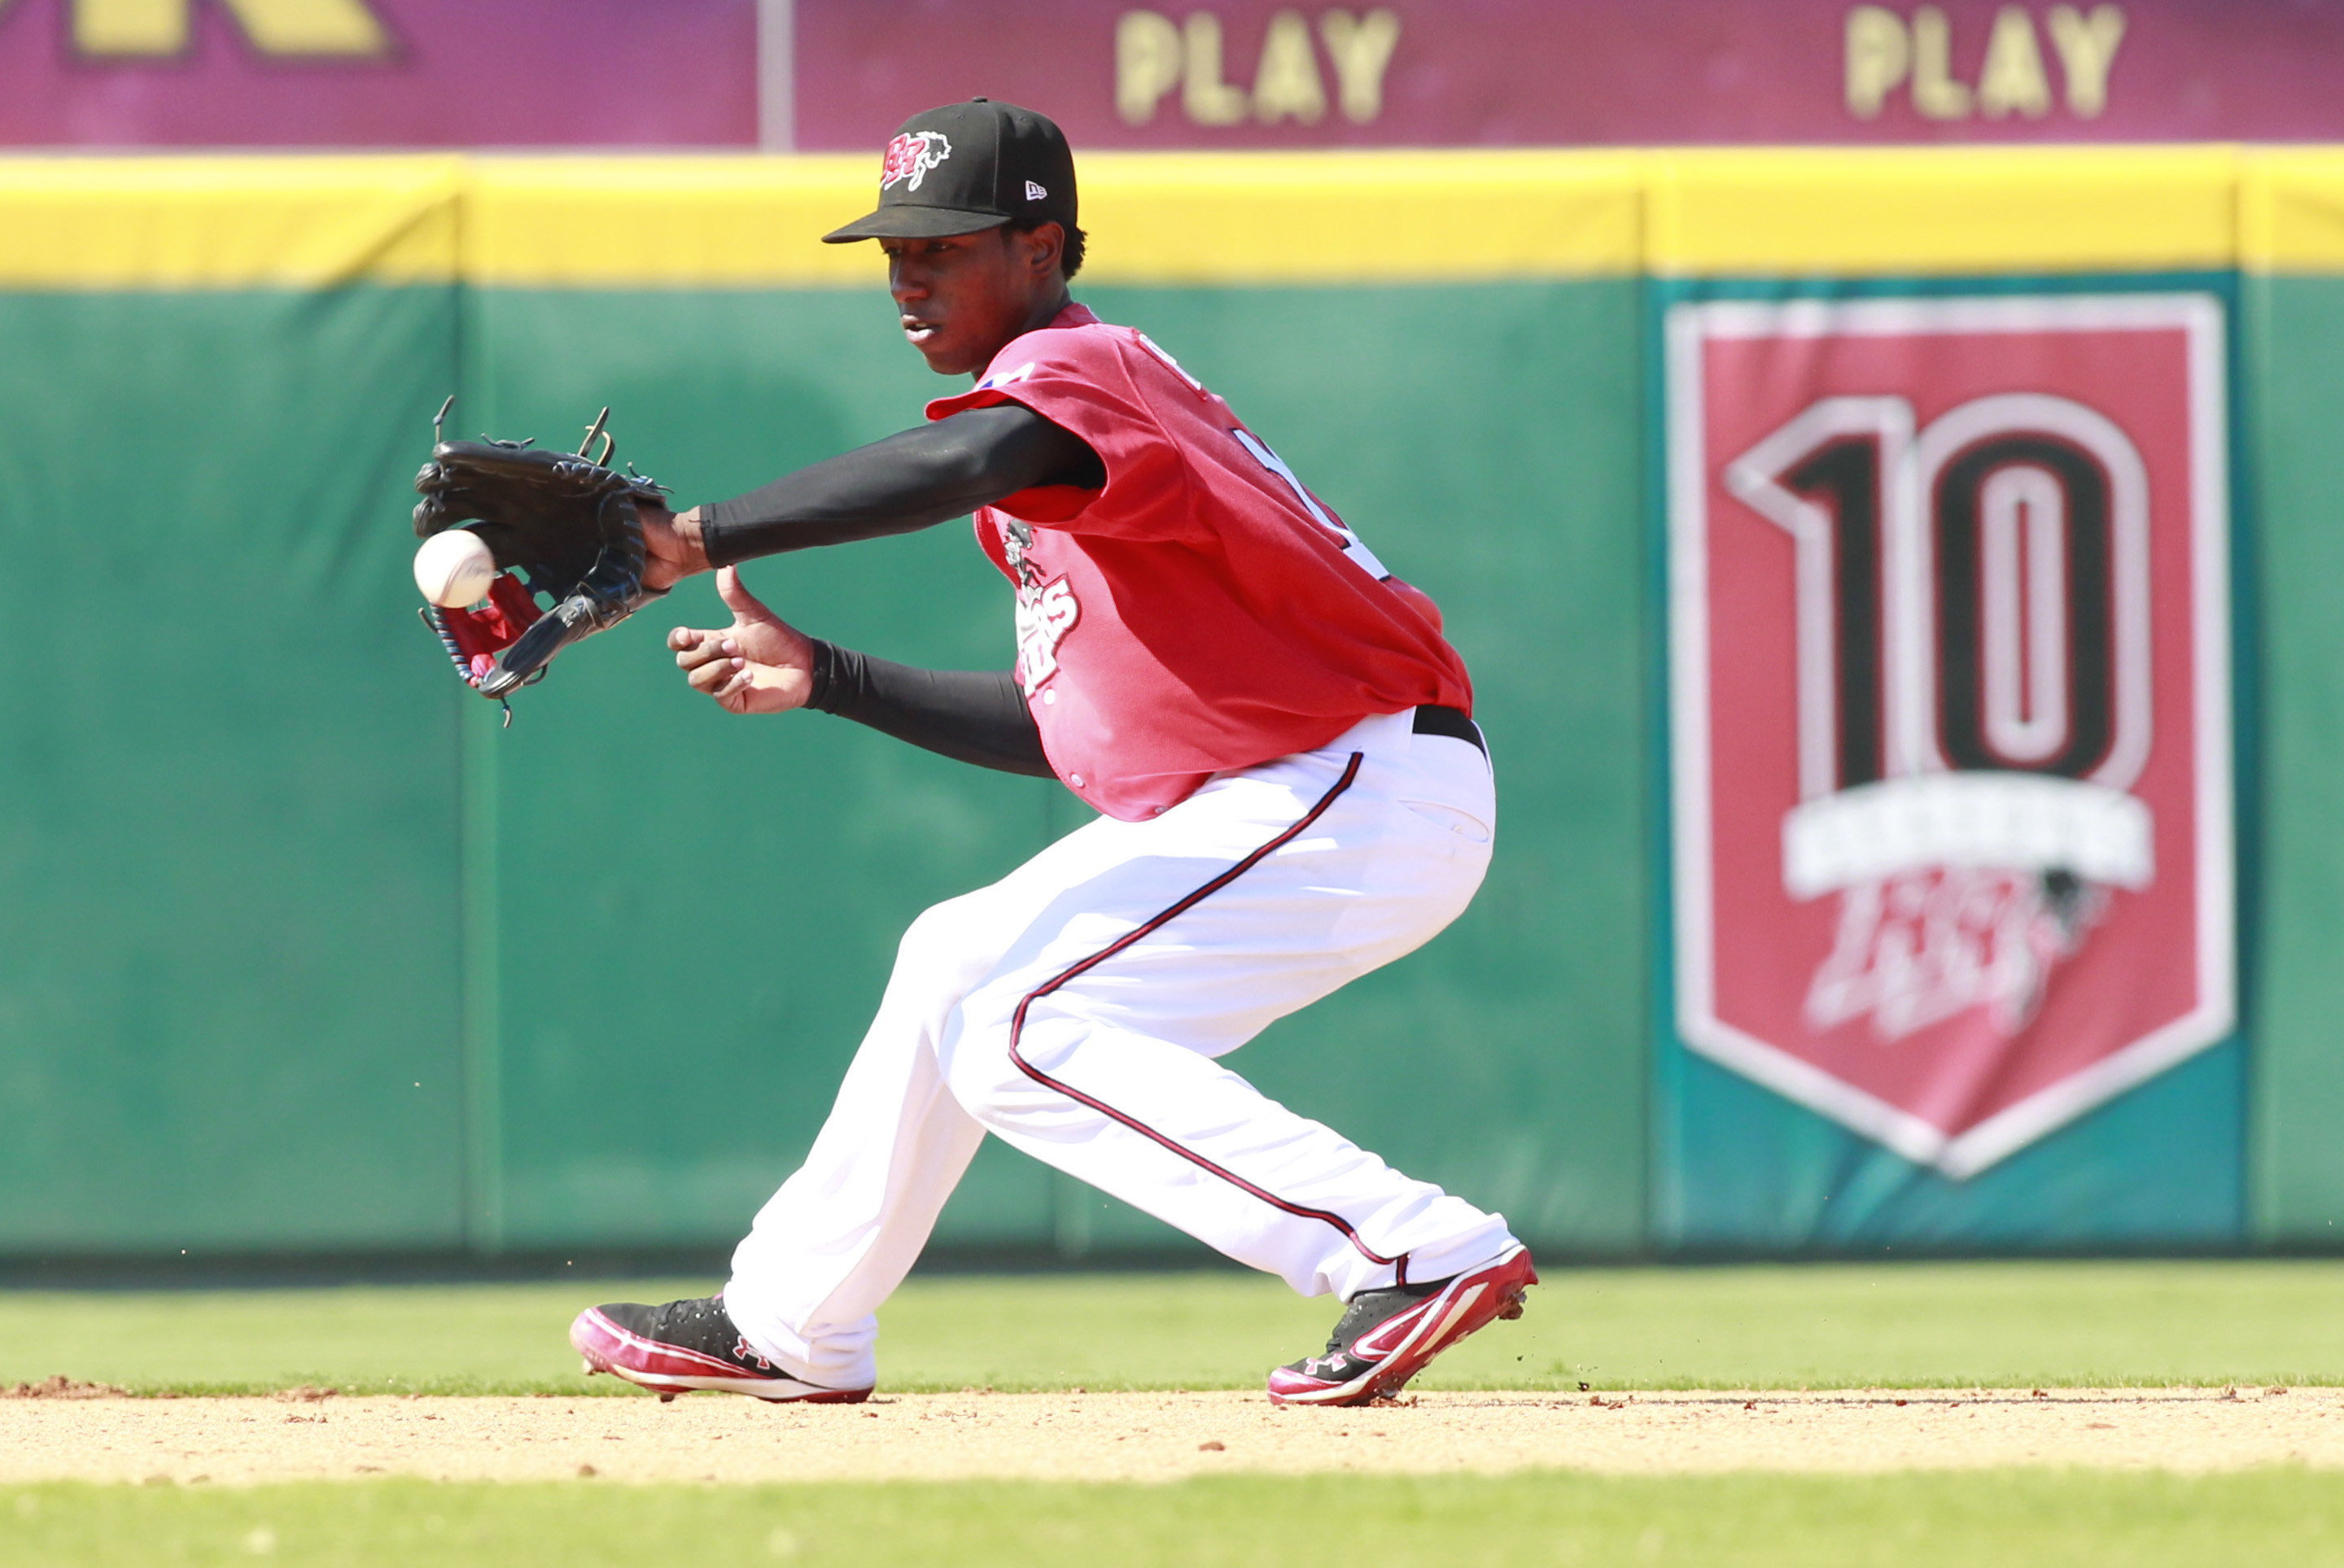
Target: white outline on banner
[(1687, 326)]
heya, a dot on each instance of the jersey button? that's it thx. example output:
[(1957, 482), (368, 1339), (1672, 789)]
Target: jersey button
[(1048, 698), (1076, 779)]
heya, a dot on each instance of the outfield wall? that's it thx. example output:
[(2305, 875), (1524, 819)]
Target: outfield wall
[(305, 954)]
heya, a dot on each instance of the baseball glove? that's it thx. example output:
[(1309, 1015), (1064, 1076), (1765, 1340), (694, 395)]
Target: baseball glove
[(565, 521)]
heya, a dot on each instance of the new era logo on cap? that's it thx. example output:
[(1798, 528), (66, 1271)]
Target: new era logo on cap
[(1034, 192)]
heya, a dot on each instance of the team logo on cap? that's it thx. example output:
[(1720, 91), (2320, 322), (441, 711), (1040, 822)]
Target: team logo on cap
[(910, 157)]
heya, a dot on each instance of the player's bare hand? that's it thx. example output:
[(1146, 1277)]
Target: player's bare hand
[(671, 546), (758, 664)]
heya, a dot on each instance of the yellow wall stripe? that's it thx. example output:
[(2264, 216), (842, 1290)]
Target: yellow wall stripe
[(2291, 210), (691, 221), (754, 222), (1185, 218), (165, 222), (1362, 218), (1926, 210)]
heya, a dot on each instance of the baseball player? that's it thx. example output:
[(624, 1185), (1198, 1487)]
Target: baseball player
[(1290, 794)]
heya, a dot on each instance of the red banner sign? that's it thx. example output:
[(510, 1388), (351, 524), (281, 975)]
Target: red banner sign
[(1950, 717)]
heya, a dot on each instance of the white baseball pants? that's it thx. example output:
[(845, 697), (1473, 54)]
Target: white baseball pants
[(1075, 1009)]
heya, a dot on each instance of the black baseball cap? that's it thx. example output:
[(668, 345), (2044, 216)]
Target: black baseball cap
[(967, 167)]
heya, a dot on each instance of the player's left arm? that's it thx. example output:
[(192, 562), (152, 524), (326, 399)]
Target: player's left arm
[(761, 663)]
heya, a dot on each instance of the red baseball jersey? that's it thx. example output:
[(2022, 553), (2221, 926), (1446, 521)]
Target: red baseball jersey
[(1202, 611)]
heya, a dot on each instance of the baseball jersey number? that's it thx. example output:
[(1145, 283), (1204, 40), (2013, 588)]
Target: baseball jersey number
[(1362, 557), (1359, 553)]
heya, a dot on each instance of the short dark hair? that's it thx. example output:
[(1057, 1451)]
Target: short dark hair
[(1070, 255)]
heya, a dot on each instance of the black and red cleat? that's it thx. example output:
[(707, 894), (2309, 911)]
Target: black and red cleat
[(1386, 1337), (686, 1345)]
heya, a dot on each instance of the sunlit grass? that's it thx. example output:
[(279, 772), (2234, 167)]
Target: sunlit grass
[(1836, 1326)]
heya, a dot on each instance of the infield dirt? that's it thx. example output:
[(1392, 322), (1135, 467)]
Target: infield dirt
[(1073, 1436)]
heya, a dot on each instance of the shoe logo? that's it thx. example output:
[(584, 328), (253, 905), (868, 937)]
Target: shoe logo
[(1385, 1337), (1034, 192), (910, 157), (744, 1355)]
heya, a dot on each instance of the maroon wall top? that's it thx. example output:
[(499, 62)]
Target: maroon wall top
[(840, 73), (380, 72)]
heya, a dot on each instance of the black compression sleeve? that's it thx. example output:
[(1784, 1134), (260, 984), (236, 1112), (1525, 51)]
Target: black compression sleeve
[(968, 715), (911, 480)]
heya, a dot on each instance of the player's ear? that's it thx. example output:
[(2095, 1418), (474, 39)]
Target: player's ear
[(1044, 245)]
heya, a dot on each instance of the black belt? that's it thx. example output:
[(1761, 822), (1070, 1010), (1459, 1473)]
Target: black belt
[(1448, 721)]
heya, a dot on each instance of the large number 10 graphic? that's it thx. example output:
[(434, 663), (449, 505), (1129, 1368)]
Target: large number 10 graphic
[(1973, 596)]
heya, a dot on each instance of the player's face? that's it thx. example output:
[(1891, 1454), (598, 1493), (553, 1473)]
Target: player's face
[(961, 299)]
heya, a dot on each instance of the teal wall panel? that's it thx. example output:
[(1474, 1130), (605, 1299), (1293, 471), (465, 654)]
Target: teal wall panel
[(697, 911), (255, 996), (1744, 1170), (670, 1021), (2295, 347), (228, 967), (1486, 442)]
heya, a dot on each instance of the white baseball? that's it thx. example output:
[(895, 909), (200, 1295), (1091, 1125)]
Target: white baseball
[(454, 569)]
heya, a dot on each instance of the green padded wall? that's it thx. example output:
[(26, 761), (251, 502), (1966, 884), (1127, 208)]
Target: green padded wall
[(303, 952), (2295, 347), (229, 976), (697, 911), (674, 1008), (1486, 441)]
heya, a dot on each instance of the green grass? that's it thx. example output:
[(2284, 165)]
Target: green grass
[(1839, 1326), (1955, 1520), (2005, 1324)]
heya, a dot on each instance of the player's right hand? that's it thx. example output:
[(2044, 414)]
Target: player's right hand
[(758, 664)]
